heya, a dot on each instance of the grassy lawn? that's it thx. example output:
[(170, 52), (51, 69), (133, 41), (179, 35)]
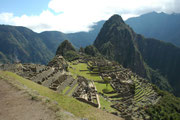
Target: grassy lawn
[(71, 92), (107, 105), (82, 66), (101, 86), (66, 89), (67, 103)]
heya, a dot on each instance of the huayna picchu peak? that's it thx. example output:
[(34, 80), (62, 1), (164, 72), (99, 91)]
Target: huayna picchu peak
[(116, 19), (117, 41)]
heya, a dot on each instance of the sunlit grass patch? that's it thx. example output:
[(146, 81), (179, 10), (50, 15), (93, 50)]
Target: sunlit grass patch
[(81, 70), (106, 105)]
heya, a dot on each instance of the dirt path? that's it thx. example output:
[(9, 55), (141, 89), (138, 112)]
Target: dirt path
[(16, 105)]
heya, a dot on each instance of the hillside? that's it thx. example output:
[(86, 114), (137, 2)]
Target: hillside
[(22, 44), (161, 26), (52, 39), (14, 105), (163, 57)]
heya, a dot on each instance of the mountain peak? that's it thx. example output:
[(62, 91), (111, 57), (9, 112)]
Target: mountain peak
[(116, 18), (116, 42), (64, 47)]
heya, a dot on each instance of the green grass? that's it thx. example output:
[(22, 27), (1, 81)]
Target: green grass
[(87, 74), (116, 98), (69, 104), (101, 86), (72, 90), (66, 89), (107, 105)]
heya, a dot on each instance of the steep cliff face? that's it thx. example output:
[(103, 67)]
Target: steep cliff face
[(116, 42), (162, 56)]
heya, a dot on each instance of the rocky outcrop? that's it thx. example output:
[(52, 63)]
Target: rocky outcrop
[(58, 62)]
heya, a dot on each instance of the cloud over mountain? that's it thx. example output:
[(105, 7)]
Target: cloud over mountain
[(79, 15)]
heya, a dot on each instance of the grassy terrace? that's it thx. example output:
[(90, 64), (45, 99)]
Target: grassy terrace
[(141, 92), (66, 89), (81, 70), (77, 70), (69, 104)]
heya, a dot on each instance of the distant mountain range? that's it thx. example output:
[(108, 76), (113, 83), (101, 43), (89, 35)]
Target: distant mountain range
[(19, 43), (162, 26), (22, 44)]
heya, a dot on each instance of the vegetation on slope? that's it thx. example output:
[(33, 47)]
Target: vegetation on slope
[(22, 44), (91, 50), (163, 57), (168, 107), (67, 50)]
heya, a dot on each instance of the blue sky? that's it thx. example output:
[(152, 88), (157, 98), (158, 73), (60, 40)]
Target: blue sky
[(76, 15), (20, 7)]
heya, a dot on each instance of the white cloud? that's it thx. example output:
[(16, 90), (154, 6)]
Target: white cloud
[(78, 15)]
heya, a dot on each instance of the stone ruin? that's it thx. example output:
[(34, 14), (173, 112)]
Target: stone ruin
[(135, 93), (56, 78), (86, 92)]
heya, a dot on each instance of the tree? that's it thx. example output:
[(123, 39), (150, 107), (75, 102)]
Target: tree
[(107, 81)]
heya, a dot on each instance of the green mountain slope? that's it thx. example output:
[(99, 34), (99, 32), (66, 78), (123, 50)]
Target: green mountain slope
[(22, 44), (162, 56), (52, 39)]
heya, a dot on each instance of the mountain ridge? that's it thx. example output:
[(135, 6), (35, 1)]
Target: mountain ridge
[(161, 26), (22, 44)]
